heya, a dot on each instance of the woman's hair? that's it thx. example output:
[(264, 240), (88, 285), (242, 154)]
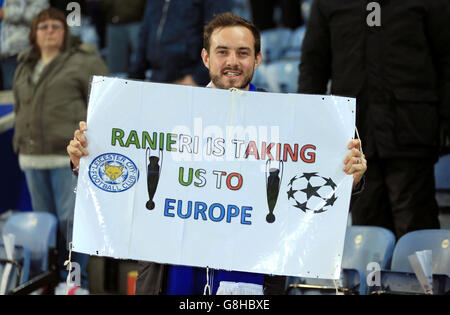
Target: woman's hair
[(229, 19), (48, 14)]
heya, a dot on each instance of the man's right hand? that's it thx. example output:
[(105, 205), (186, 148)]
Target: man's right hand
[(77, 146)]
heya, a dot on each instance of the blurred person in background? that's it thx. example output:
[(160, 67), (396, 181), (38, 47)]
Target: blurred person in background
[(263, 13), (51, 87), (16, 17), (122, 32), (171, 37), (394, 58)]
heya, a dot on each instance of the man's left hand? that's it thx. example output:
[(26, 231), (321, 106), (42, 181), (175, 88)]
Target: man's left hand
[(355, 162)]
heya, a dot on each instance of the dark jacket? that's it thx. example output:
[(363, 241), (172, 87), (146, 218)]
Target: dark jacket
[(46, 114), (123, 11), (171, 39), (399, 71)]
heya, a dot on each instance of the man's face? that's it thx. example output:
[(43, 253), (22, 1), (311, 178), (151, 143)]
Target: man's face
[(231, 59)]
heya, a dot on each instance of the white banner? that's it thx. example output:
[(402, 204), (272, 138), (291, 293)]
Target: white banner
[(233, 180)]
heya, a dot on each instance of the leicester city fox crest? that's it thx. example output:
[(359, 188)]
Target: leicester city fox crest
[(113, 172)]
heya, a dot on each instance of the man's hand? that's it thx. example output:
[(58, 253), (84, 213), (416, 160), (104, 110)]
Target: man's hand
[(355, 162), (186, 80), (77, 146)]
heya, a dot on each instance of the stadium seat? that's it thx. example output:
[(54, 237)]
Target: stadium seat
[(442, 177), (293, 51), (282, 76), (435, 240), (242, 8), (401, 279), (367, 244), (21, 266), (363, 245), (36, 231), (442, 173), (274, 42), (260, 78)]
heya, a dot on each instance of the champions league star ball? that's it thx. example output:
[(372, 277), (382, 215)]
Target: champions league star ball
[(311, 192)]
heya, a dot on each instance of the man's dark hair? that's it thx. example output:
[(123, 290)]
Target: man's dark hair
[(228, 19)]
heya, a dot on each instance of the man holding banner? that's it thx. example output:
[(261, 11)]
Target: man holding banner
[(231, 53)]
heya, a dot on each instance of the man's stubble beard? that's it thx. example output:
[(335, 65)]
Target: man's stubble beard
[(216, 81)]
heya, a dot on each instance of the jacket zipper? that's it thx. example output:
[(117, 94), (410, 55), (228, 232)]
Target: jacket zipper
[(162, 22)]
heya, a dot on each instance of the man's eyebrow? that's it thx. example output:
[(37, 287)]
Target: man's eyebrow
[(221, 47), (226, 47)]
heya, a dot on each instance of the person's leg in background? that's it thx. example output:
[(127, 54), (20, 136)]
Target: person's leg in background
[(63, 184), (133, 40), (8, 68), (411, 188), (372, 206), (38, 183), (151, 278), (39, 187), (97, 15), (117, 48)]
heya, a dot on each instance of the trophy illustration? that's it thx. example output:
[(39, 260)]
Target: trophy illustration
[(273, 183), (153, 173)]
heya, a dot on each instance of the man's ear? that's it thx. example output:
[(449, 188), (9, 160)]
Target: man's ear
[(205, 58), (258, 59)]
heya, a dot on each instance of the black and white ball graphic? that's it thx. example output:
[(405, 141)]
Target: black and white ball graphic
[(311, 192)]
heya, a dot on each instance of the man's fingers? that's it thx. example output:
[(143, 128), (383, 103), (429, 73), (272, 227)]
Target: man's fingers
[(75, 148), (353, 153), (79, 135), (83, 126), (354, 143), (74, 152), (355, 164), (355, 168)]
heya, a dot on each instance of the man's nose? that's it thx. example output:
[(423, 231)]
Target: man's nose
[(232, 59)]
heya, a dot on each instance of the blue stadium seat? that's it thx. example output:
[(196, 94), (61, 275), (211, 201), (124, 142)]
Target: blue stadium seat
[(363, 245), (366, 244), (282, 76), (22, 258), (401, 279), (441, 173), (274, 42), (260, 78), (293, 51), (442, 177), (243, 9), (438, 241), (36, 231)]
